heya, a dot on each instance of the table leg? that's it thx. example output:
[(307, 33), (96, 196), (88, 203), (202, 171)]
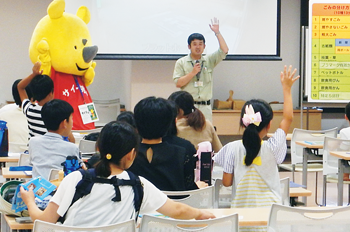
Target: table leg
[(340, 181), (4, 226), (304, 181)]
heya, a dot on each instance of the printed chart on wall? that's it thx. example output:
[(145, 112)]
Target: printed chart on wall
[(329, 40)]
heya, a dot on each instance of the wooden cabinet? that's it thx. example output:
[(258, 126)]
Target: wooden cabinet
[(227, 121)]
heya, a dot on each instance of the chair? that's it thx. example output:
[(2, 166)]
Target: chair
[(285, 191), (287, 219), (87, 147), (330, 163), (222, 195), (297, 151), (98, 129), (107, 110), (24, 160), (199, 198), (152, 223), (41, 226)]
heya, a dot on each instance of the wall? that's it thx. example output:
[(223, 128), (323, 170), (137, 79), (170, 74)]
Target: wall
[(132, 80)]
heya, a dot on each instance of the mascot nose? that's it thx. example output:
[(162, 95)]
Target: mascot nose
[(89, 53)]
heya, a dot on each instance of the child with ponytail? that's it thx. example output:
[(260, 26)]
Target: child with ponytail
[(251, 162)]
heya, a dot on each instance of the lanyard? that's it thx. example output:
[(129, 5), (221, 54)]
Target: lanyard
[(81, 92)]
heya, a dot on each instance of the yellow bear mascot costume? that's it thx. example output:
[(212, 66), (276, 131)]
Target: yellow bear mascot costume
[(62, 43)]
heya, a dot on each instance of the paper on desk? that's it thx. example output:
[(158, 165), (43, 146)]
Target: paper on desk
[(28, 173)]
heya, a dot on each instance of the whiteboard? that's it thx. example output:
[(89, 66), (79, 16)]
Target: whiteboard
[(328, 57), (142, 29)]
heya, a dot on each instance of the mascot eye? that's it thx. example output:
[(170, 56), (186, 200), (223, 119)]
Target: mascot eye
[(75, 47)]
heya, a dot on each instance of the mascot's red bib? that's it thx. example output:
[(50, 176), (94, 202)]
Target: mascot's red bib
[(66, 88)]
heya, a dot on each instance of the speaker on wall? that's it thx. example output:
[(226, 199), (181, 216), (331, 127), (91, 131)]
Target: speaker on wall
[(304, 12)]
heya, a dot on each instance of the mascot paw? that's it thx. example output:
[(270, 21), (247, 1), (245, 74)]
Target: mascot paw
[(89, 76)]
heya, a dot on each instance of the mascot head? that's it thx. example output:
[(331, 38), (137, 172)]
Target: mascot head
[(62, 40)]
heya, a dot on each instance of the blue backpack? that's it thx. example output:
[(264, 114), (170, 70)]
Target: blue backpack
[(70, 165)]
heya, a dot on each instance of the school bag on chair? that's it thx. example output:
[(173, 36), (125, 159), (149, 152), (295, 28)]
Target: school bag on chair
[(4, 141), (7, 192)]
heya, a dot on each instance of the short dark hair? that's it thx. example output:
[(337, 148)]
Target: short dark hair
[(41, 86), (54, 112), (127, 116), (15, 93), (153, 117), (347, 111), (172, 128), (116, 139), (195, 36)]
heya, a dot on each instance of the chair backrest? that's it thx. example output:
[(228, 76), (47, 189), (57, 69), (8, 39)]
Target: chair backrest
[(225, 223), (85, 132), (330, 163), (307, 135), (285, 191), (41, 226), (200, 198), (287, 219), (87, 147), (222, 195), (54, 174), (23, 159), (107, 110)]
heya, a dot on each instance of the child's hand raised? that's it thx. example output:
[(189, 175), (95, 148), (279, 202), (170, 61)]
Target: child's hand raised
[(36, 68), (287, 76)]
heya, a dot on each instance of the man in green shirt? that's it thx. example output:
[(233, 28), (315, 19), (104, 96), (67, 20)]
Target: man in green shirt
[(193, 73)]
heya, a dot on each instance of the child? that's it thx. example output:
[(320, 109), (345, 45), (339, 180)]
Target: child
[(42, 90), (191, 123), (159, 162), (345, 133), (253, 163), (16, 121), (117, 144), (50, 150)]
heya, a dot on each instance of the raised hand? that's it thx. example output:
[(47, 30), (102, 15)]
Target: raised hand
[(214, 26)]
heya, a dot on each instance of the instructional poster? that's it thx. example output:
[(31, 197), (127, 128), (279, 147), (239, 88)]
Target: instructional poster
[(329, 28)]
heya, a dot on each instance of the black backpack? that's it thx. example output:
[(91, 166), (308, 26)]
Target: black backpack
[(89, 178)]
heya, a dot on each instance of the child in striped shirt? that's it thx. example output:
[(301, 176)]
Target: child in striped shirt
[(251, 162), (42, 90)]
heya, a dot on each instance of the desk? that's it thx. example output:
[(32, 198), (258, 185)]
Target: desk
[(12, 157), (6, 173), (227, 121), (344, 157), (306, 144), (13, 225), (299, 192)]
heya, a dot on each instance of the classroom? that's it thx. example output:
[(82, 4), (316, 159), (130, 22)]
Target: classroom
[(131, 80)]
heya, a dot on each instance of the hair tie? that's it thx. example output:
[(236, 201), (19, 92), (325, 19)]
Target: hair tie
[(250, 117), (108, 156)]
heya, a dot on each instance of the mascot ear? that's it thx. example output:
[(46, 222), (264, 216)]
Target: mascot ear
[(84, 13), (56, 9)]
